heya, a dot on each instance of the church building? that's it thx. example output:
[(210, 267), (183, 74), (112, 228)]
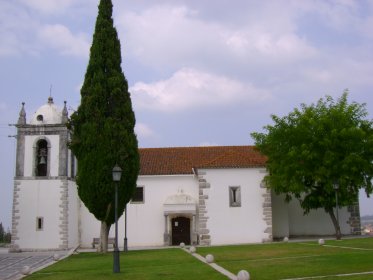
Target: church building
[(195, 195)]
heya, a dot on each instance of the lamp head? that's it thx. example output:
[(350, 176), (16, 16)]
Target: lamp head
[(117, 173)]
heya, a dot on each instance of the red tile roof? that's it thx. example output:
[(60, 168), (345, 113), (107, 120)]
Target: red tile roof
[(182, 160)]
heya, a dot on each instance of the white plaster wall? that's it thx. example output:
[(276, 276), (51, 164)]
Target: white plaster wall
[(73, 215), (146, 222), (29, 154), (89, 227), (317, 222), (234, 225), (39, 198), (280, 216)]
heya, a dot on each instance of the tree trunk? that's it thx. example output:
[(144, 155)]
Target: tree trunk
[(104, 233), (338, 234)]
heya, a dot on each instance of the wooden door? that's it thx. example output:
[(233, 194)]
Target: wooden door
[(180, 230)]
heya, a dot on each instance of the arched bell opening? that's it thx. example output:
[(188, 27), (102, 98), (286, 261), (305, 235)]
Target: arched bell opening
[(41, 158)]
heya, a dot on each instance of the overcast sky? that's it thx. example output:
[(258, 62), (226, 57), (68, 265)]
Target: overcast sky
[(200, 72)]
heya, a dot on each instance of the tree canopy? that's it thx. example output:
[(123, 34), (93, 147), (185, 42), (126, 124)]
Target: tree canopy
[(103, 126), (317, 147)]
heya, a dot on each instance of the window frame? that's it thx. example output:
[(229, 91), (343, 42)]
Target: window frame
[(39, 223), (134, 196), (234, 196)]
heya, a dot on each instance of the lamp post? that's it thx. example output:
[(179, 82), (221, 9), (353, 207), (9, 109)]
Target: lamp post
[(336, 187), (117, 173), (125, 247)]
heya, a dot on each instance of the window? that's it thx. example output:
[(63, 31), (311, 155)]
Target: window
[(235, 196), (138, 196), (41, 158), (39, 223)]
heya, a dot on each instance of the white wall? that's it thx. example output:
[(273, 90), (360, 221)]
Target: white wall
[(145, 221), (280, 216), (39, 198), (89, 227), (29, 154), (317, 222), (73, 215), (234, 225), (288, 219)]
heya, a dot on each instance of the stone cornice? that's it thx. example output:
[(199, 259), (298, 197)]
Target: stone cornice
[(42, 129)]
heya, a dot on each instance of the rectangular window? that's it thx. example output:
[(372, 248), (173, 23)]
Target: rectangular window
[(138, 196), (39, 223), (235, 196)]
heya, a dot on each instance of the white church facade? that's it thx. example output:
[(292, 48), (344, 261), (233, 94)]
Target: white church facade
[(195, 195)]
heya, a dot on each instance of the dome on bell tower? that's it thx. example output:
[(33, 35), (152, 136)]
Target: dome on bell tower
[(47, 114)]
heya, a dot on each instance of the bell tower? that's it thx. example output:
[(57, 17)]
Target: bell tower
[(45, 200)]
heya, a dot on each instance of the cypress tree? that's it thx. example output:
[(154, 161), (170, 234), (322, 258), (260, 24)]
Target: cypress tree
[(103, 127)]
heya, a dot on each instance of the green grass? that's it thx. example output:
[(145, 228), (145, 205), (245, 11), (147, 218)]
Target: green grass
[(292, 260), (135, 265), (263, 261)]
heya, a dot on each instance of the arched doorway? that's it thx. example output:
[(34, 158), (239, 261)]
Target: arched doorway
[(180, 230)]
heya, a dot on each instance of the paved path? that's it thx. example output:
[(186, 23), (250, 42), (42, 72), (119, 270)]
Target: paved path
[(11, 264), (218, 268)]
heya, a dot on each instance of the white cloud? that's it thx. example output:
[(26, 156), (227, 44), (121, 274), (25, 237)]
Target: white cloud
[(167, 35), (208, 144), (178, 36), (342, 16), (339, 14), (143, 130), (16, 29), (190, 88), (23, 33), (79, 87), (60, 38), (366, 27), (48, 6), (286, 47), (318, 75)]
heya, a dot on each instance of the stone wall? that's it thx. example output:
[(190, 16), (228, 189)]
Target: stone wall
[(64, 216), (15, 218), (203, 231), (354, 220), (267, 212)]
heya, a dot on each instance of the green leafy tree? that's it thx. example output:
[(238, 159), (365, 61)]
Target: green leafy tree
[(317, 147), (103, 127)]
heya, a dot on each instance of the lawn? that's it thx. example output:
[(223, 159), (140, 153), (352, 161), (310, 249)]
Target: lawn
[(135, 265), (264, 262), (296, 260)]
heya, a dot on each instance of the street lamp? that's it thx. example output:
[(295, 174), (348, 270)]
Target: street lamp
[(117, 173), (336, 187)]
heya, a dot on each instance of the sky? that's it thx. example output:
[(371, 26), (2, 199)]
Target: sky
[(199, 72)]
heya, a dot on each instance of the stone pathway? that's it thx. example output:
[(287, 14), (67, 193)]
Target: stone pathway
[(11, 264), (218, 268)]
